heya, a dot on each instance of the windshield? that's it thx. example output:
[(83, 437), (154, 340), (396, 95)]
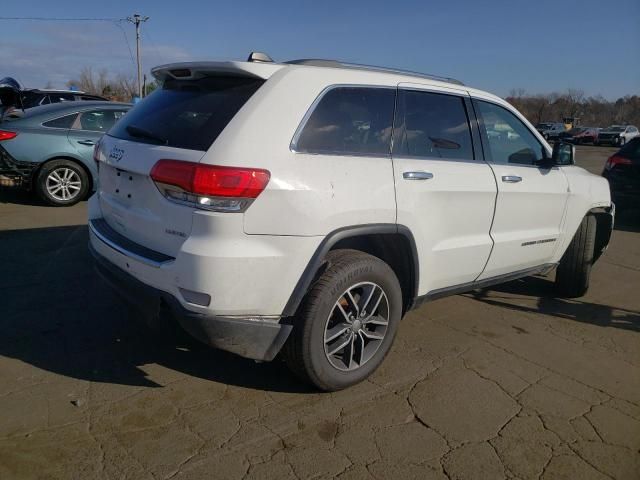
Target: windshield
[(543, 125), (614, 129), (187, 113)]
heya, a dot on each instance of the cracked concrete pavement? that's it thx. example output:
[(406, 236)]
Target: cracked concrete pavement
[(501, 383)]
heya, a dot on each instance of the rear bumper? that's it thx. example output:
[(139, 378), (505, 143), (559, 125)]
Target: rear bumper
[(250, 337), (14, 173)]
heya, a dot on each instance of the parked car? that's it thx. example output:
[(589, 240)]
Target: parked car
[(579, 135), (550, 131), (13, 95), (617, 135), (622, 170), (265, 206), (34, 97), (50, 149)]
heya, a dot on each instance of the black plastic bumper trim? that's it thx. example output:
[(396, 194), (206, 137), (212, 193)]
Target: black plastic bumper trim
[(249, 337), (122, 244)]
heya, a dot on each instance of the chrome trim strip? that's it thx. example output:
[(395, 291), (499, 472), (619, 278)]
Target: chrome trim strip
[(125, 252), (417, 175)]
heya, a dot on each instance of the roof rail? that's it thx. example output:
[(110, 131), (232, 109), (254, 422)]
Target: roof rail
[(318, 62)]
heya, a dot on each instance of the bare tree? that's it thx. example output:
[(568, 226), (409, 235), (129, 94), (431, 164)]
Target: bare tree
[(593, 111), (121, 87)]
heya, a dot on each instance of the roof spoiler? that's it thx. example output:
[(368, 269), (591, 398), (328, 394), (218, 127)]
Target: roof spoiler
[(194, 70)]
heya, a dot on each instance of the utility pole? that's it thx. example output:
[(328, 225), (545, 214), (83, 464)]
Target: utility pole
[(137, 20)]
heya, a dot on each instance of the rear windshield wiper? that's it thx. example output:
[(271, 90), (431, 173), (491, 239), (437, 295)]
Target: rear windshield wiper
[(144, 133)]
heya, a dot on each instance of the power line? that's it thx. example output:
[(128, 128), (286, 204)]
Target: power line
[(126, 40), (45, 19), (135, 19)]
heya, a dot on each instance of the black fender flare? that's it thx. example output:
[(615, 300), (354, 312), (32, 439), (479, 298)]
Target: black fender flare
[(605, 217), (317, 260)]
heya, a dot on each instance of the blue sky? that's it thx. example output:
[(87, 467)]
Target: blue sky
[(541, 46)]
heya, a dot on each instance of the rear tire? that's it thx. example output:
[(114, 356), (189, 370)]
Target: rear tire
[(572, 275), (62, 183), (328, 318)]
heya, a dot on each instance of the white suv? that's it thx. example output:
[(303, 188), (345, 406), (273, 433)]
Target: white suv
[(309, 205)]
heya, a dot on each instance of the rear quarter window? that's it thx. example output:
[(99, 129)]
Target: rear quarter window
[(349, 120), (188, 114), (61, 122)]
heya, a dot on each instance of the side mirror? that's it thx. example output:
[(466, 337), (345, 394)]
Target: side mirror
[(563, 154)]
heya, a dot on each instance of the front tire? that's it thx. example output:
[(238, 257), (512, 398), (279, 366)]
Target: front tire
[(574, 270), (347, 322), (62, 183)]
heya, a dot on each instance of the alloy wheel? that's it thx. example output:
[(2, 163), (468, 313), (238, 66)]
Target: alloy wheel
[(356, 326), (63, 184)]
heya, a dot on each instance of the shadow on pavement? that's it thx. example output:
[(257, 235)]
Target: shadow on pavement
[(572, 309), (19, 197), (57, 314)]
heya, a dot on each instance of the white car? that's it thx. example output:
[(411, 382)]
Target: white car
[(617, 135), (550, 131), (307, 206)]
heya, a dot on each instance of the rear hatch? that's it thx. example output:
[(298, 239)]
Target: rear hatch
[(179, 121)]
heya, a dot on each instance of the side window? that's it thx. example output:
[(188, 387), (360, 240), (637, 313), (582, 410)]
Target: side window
[(509, 140), (432, 125), (97, 120), (61, 122), (350, 120)]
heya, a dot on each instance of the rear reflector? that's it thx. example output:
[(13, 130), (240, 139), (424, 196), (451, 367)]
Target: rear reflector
[(4, 135), (211, 187), (616, 160)]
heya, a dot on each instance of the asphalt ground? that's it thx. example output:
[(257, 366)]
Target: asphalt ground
[(502, 383)]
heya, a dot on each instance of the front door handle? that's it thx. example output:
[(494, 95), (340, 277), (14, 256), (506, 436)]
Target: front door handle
[(511, 179), (87, 142), (417, 175)]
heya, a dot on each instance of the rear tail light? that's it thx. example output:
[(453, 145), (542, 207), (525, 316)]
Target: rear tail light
[(5, 135), (97, 154), (209, 187), (616, 160)]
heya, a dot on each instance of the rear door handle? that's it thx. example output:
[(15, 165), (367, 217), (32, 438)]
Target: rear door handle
[(511, 179), (86, 142), (417, 175)]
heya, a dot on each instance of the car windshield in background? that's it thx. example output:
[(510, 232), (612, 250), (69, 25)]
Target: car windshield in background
[(614, 129), (187, 113)]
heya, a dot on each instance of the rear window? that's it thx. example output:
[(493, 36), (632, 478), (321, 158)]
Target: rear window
[(187, 113), (61, 122)]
